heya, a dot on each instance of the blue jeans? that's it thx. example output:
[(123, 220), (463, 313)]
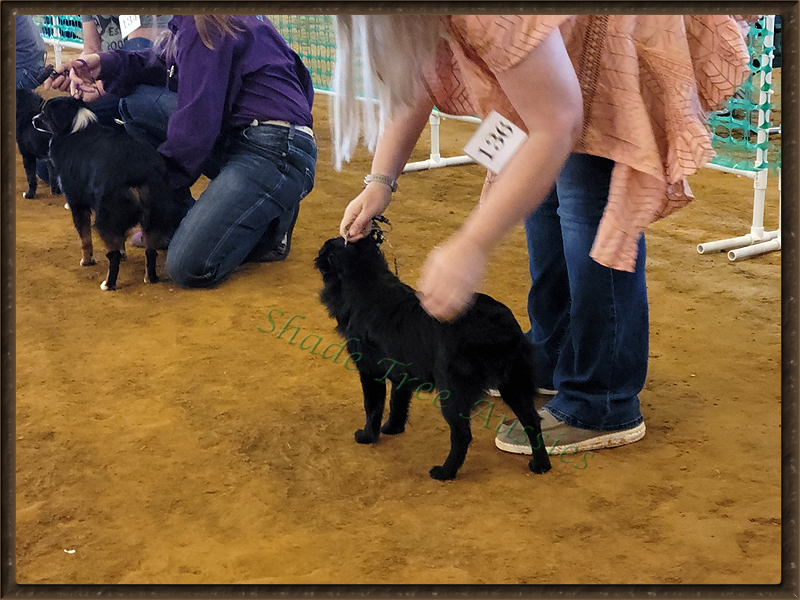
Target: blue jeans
[(107, 107), (258, 176), (589, 323), (30, 53), (26, 76)]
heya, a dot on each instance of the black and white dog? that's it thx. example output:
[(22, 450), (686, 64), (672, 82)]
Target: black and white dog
[(109, 173), (383, 321), (33, 144)]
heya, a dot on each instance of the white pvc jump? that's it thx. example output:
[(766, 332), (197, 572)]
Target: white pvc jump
[(436, 160)]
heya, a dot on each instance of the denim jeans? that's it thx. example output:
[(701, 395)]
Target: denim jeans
[(258, 174), (26, 76), (589, 323), (106, 107), (30, 53)]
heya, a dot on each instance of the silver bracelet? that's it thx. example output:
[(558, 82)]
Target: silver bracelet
[(384, 179)]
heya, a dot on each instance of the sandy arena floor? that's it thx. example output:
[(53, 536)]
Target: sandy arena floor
[(161, 437)]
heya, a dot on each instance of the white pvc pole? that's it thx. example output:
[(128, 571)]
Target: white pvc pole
[(770, 245), (772, 239), (725, 245), (448, 161), (731, 170), (434, 123)]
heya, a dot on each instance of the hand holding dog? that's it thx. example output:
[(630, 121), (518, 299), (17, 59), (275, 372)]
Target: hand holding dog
[(357, 219), (450, 277), (82, 81), (83, 74)]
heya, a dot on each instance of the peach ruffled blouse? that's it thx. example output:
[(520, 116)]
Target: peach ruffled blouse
[(647, 83)]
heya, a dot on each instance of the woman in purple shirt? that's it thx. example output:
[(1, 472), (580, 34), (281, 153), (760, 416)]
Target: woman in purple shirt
[(226, 97)]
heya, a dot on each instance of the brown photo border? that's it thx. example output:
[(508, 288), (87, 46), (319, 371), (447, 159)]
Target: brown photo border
[(790, 559)]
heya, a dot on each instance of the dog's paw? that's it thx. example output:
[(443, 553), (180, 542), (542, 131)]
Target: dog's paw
[(106, 288), (365, 437), (390, 428), (441, 474), (30, 195), (88, 263), (154, 279), (539, 469)]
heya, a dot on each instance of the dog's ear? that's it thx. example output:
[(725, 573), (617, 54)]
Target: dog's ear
[(67, 115)]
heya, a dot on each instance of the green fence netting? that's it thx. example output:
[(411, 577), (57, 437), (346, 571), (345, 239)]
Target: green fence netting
[(734, 128)]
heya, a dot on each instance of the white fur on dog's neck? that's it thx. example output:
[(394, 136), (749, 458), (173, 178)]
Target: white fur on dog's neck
[(83, 119)]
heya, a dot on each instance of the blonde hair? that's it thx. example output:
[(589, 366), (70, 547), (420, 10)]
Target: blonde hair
[(392, 52), (209, 27)]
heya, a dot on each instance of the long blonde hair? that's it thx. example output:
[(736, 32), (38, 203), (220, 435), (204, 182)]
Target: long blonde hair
[(391, 52), (209, 27)]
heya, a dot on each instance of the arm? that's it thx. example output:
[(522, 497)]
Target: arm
[(544, 90), (391, 155), (92, 44), (122, 71)]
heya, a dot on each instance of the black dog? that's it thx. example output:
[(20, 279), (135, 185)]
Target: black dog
[(382, 320), (32, 143), (108, 172)]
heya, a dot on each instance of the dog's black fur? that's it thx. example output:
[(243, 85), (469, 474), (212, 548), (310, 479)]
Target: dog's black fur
[(32, 143), (109, 173), (381, 318)]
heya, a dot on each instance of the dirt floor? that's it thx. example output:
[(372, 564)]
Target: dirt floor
[(161, 437)]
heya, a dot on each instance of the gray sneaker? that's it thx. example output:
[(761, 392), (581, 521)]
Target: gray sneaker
[(543, 391), (559, 436)]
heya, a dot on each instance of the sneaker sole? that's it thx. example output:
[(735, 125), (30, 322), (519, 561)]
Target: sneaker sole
[(543, 391), (608, 440)]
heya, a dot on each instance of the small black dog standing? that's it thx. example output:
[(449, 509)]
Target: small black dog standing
[(109, 173), (33, 144), (381, 318)]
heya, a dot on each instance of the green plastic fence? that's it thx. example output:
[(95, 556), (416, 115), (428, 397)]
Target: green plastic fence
[(734, 129), (65, 29), (311, 36)]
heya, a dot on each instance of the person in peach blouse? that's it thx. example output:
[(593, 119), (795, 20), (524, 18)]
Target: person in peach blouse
[(614, 107)]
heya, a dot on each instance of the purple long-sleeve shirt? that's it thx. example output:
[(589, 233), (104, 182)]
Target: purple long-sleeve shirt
[(254, 75)]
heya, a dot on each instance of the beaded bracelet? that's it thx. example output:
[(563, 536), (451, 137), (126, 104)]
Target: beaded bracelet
[(384, 179)]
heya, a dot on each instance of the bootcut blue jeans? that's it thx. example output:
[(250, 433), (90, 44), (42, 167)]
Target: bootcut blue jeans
[(258, 176), (589, 323)]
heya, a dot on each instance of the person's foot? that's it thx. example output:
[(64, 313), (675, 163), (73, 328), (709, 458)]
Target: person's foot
[(558, 436), (279, 252), (543, 391)]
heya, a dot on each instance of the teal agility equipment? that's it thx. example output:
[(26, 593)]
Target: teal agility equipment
[(741, 138)]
